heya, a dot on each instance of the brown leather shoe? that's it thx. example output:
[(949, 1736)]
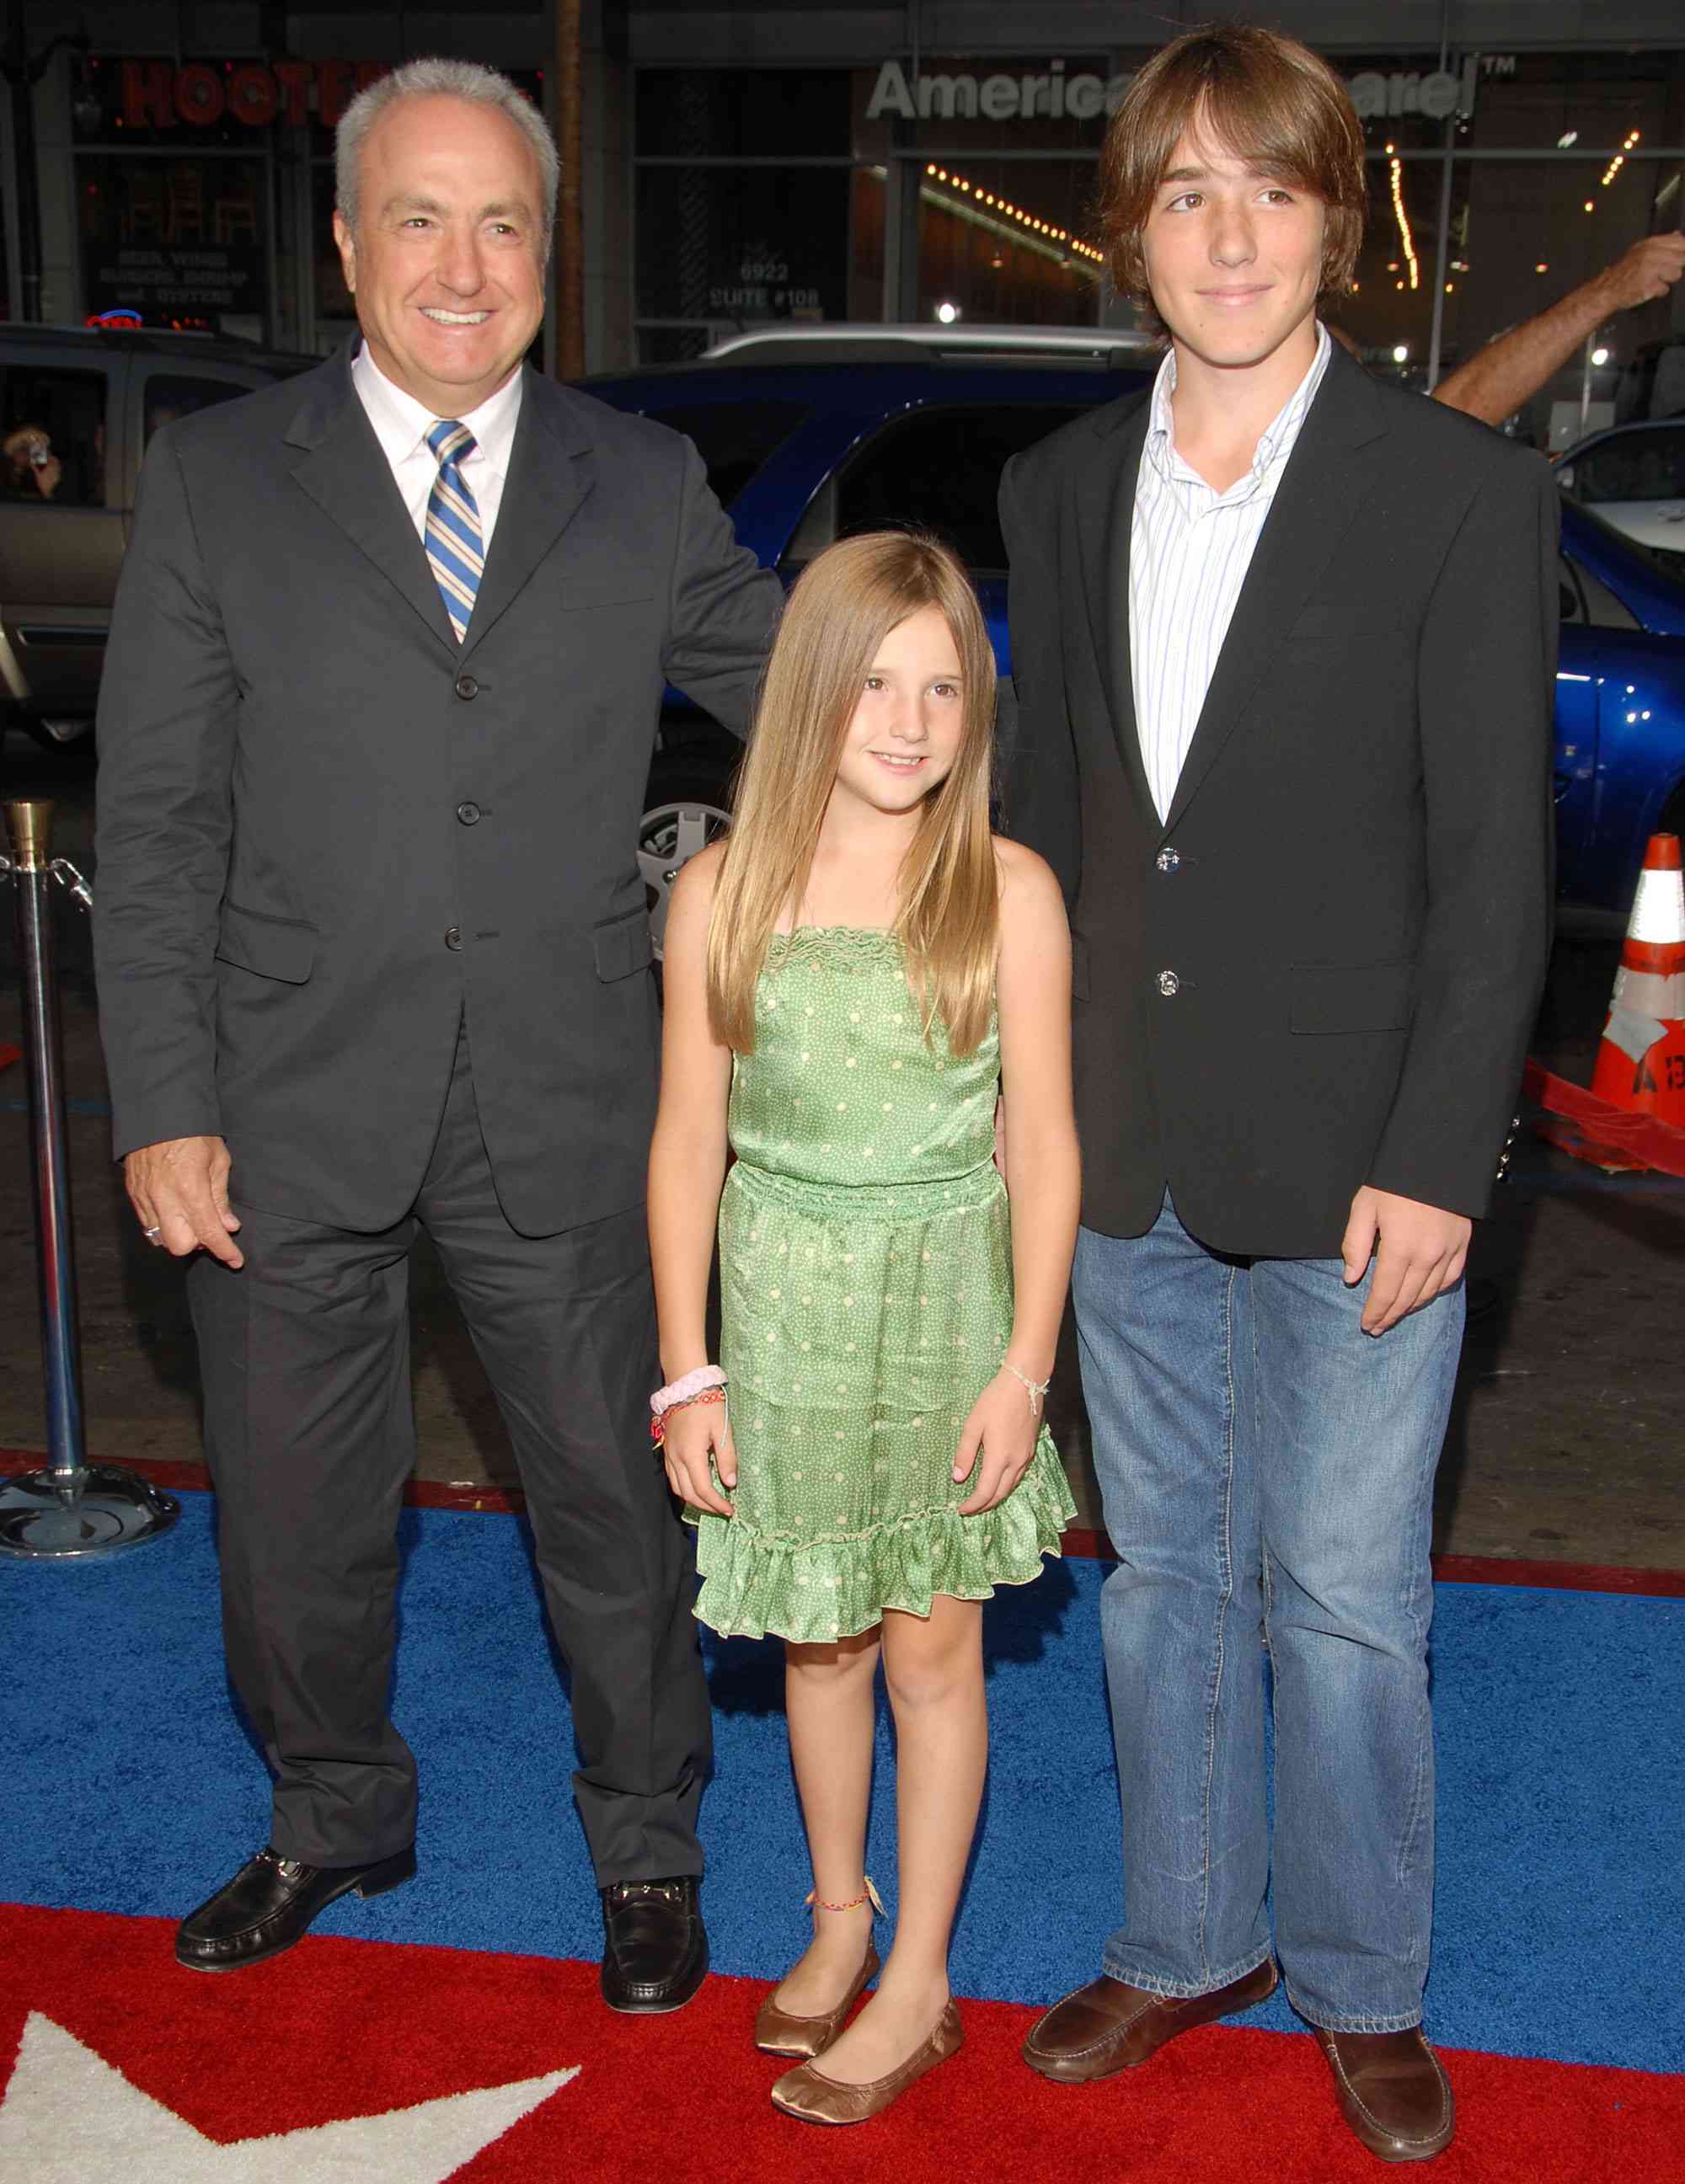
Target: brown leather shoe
[(1392, 2092), (777, 2032), (1109, 2025), (808, 2093)]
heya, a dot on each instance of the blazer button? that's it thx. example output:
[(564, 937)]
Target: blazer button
[(453, 938), (469, 814), (1168, 860), (467, 686), (1168, 984)]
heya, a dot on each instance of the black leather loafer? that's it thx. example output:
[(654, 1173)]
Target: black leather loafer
[(654, 1945), (270, 1904)]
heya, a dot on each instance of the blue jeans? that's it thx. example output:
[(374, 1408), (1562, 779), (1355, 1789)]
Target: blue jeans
[(1267, 1471)]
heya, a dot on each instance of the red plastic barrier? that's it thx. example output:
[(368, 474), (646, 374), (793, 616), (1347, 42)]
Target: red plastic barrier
[(1595, 1128)]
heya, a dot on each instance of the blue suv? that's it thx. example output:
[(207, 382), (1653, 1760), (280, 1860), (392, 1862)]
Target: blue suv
[(835, 432)]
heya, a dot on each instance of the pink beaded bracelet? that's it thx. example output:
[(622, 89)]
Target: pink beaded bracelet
[(682, 1391)]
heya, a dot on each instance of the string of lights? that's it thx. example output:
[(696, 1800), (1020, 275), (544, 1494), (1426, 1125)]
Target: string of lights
[(1619, 160), (1027, 224), (1406, 240)]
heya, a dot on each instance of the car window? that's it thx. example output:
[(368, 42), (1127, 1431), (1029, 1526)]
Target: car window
[(1640, 465), (941, 469), (172, 395), (1588, 600), (733, 438), (53, 436)]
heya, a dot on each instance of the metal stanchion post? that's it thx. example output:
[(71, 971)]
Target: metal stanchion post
[(72, 1507)]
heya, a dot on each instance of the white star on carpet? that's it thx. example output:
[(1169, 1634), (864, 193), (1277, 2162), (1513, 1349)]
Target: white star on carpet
[(68, 2117)]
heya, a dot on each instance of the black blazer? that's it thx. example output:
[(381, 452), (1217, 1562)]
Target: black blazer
[(325, 828), (1321, 971)]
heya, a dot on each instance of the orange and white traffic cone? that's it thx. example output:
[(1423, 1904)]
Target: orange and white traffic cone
[(1641, 1063)]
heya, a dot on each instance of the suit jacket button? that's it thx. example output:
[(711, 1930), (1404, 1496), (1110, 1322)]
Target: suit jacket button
[(469, 814), (1168, 983), (467, 686), (453, 938), (1168, 860)]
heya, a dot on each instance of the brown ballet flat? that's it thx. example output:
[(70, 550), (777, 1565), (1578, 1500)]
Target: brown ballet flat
[(778, 2032), (808, 2093)]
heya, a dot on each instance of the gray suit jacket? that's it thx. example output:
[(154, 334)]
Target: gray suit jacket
[(325, 828)]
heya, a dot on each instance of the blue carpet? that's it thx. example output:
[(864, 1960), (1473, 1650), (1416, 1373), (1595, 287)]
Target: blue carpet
[(128, 1784)]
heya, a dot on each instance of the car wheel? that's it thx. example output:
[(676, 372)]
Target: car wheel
[(682, 813)]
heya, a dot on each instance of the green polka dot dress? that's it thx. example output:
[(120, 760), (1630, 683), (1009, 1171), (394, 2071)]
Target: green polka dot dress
[(867, 1293)]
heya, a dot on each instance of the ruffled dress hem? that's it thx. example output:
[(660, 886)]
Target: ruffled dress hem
[(813, 1592)]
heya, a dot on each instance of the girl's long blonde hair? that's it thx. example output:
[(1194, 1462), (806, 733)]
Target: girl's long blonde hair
[(843, 606)]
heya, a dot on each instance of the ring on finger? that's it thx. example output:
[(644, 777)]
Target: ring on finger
[(151, 1235)]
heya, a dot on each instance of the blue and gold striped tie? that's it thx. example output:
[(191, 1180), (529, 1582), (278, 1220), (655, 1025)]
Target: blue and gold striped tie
[(455, 548)]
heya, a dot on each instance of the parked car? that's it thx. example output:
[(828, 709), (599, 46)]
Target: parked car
[(810, 433), (1633, 477), (77, 408), (827, 433)]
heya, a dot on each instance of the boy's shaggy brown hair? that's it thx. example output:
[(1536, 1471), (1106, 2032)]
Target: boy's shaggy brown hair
[(1260, 97)]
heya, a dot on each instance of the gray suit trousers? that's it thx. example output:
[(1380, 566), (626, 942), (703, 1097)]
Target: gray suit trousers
[(309, 1431)]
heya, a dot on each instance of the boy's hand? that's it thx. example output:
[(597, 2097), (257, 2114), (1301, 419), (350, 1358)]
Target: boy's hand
[(1002, 1430), (1418, 1250)]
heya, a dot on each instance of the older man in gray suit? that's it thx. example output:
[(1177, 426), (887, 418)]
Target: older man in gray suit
[(380, 702)]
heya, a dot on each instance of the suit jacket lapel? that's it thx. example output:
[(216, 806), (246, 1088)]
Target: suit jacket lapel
[(1328, 475), (342, 467), (550, 473), (1105, 516)]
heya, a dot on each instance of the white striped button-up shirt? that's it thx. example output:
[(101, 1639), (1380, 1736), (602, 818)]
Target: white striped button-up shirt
[(1190, 549)]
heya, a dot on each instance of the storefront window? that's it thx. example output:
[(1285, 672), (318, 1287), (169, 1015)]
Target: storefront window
[(1389, 312), (1006, 243), (1526, 233), (182, 240), (969, 197), (1468, 237), (721, 248)]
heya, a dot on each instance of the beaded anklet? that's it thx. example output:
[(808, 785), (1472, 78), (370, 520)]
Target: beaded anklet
[(853, 1902)]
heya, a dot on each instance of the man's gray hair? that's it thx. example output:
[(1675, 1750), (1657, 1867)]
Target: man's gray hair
[(440, 79)]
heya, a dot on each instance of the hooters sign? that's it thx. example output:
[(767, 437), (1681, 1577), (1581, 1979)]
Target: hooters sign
[(158, 95)]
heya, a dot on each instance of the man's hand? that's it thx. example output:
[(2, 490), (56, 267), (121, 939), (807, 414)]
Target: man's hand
[(180, 1187), (1648, 270), (1417, 1251)]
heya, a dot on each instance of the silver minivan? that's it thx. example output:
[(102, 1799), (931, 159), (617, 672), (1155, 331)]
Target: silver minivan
[(77, 407)]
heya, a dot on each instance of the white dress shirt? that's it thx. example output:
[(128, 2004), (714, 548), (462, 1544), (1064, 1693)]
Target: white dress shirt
[(402, 424), (1190, 549)]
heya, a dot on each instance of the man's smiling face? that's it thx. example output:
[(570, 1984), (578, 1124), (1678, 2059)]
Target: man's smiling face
[(445, 264)]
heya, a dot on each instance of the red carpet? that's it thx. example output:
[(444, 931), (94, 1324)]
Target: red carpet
[(342, 2033)]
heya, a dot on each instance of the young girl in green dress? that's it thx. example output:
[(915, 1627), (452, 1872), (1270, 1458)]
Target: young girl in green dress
[(855, 978)]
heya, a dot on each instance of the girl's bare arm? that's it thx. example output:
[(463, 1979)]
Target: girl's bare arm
[(1043, 1172), (687, 1171), (1043, 1167)]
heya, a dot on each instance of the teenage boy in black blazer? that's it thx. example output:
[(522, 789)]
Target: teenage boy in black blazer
[(1283, 641)]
